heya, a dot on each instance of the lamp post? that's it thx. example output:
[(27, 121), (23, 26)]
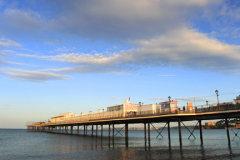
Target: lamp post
[(140, 107), (169, 103), (217, 99), (207, 103)]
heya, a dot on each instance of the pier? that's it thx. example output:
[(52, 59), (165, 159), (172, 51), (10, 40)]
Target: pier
[(95, 123)]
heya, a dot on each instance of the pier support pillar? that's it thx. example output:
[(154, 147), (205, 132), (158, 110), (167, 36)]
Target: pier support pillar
[(78, 129), (200, 128), (145, 132), (109, 131), (126, 129), (92, 130), (65, 129), (148, 130), (113, 130), (169, 135), (101, 130), (86, 129), (71, 129), (226, 122), (180, 133), (96, 130)]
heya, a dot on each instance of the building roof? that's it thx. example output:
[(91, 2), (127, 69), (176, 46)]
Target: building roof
[(167, 102), (59, 116)]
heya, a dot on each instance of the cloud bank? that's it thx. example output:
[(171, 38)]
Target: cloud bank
[(186, 48), (158, 34)]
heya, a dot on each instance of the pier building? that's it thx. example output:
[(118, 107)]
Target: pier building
[(127, 108)]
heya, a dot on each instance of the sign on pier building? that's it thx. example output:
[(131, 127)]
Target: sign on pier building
[(127, 108)]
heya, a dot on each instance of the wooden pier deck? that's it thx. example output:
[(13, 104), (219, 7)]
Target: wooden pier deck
[(226, 113)]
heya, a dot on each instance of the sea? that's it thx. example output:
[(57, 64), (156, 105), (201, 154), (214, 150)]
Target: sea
[(20, 144)]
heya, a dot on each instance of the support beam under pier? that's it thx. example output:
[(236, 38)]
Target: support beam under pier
[(96, 130), (126, 129), (84, 129), (180, 133), (200, 128), (92, 130), (169, 135), (226, 122), (145, 132), (113, 130), (148, 130)]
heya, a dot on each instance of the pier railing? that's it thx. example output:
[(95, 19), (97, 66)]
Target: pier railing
[(120, 114), (222, 107)]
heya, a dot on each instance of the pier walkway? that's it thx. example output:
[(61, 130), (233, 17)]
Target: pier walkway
[(147, 118)]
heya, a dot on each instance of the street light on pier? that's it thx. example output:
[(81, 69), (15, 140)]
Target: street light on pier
[(217, 99), (207, 103), (169, 102), (169, 98)]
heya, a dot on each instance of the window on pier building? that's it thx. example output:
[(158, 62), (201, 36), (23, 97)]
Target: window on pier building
[(115, 108)]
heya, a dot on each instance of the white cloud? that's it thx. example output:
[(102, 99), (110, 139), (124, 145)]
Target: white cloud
[(116, 98), (34, 76), (7, 42), (106, 20), (166, 75), (184, 47), (184, 99), (156, 31), (64, 49)]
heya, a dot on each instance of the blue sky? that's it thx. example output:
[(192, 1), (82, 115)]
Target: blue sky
[(61, 56)]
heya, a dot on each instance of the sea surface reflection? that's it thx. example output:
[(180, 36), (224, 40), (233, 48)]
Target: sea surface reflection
[(20, 144)]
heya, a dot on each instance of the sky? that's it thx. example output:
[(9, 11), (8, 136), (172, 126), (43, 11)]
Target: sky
[(80, 56)]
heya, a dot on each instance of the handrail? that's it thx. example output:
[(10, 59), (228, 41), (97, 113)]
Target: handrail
[(120, 114)]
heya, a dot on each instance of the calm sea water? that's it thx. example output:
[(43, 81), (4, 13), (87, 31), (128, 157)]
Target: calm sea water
[(20, 144)]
